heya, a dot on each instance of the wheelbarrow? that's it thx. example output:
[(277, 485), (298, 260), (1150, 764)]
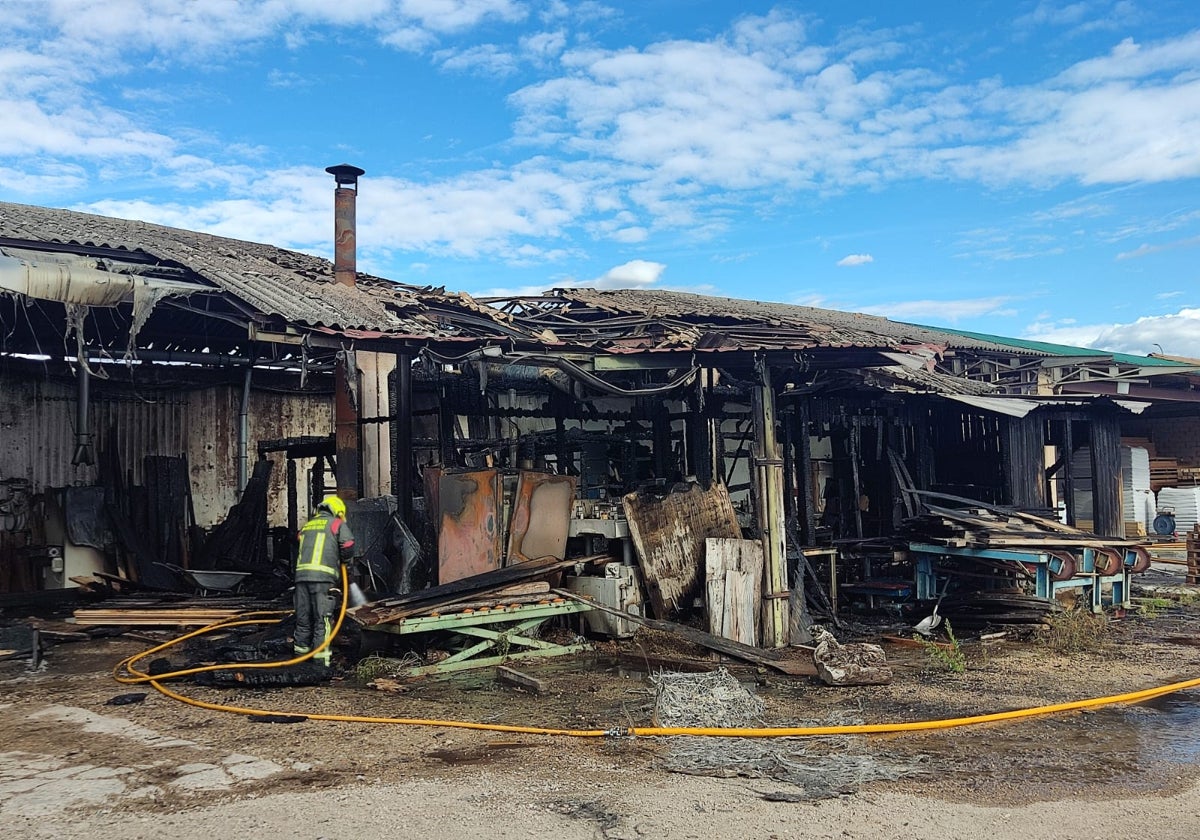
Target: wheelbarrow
[(210, 580)]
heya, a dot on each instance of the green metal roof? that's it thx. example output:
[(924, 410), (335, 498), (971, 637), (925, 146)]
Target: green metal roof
[(1049, 349)]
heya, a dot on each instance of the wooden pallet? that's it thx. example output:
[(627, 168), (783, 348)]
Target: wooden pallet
[(1141, 443), (1164, 472)]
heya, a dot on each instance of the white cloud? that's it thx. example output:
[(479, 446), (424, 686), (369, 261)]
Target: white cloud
[(635, 274), (672, 134), (855, 259), (286, 79), (701, 121), (29, 131), (1177, 334), (1053, 14), (456, 15), (485, 59), (496, 212), (1147, 250), (941, 311), (543, 46)]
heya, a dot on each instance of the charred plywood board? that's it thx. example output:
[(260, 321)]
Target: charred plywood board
[(469, 524), (733, 575), (669, 535), (541, 516)]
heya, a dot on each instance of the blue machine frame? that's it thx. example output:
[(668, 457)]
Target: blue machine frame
[(1099, 590)]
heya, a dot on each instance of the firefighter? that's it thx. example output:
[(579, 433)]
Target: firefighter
[(326, 542)]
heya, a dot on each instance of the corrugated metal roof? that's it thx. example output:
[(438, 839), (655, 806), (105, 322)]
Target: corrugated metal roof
[(1045, 348), (1021, 406), (294, 286), (624, 319)]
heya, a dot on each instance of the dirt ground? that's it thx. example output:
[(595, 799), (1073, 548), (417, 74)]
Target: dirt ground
[(75, 765)]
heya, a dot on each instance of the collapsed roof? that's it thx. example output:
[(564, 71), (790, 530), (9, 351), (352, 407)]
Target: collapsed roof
[(222, 294)]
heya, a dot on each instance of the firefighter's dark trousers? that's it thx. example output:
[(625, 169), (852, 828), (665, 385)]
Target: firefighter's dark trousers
[(314, 617)]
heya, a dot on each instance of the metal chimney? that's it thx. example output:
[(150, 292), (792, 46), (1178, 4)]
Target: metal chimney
[(344, 231)]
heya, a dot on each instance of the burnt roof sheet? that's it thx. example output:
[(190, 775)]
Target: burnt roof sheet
[(295, 286), (684, 318)]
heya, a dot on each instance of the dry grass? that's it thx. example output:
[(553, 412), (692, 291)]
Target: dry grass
[(1075, 631)]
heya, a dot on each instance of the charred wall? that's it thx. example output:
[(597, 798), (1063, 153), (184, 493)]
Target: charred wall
[(37, 417)]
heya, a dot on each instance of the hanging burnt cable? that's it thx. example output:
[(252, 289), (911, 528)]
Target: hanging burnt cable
[(491, 351), (496, 354), (576, 372)]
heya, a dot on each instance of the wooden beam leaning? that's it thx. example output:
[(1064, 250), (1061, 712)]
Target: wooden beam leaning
[(767, 658), (768, 474)]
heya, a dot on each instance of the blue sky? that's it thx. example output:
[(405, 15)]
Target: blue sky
[(1030, 168)]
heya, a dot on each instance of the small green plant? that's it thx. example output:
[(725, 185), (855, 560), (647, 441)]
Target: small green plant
[(375, 666), (1153, 607), (1075, 631), (949, 656)]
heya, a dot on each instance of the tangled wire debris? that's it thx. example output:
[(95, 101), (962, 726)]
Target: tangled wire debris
[(714, 699), (819, 767)]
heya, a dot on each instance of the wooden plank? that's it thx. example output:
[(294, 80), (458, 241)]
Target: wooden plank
[(152, 617), (520, 680), (669, 534), (733, 577)]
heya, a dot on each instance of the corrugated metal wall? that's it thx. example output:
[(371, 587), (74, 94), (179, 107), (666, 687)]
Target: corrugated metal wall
[(37, 435)]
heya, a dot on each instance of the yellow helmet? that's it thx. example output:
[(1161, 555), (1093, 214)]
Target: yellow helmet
[(334, 505)]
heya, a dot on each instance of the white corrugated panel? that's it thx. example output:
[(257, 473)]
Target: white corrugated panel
[(1186, 503), (1136, 498)]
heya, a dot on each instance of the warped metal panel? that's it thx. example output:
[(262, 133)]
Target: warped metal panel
[(469, 533), (669, 534), (541, 516)]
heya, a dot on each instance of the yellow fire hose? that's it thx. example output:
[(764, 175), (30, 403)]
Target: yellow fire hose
[(126, 673)]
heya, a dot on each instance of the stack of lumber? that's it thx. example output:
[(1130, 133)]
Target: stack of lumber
[(990, 527), (1188, 475), (516, 584), (1164, 472), (165, 613)]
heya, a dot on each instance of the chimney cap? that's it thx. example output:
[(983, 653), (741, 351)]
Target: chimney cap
[(344, 173)]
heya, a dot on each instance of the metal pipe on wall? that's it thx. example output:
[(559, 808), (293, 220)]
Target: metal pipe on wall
[(83, 433), (243, 465), (346, 429), (402, 453)]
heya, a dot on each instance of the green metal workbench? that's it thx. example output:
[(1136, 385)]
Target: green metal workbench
[(489, 636)]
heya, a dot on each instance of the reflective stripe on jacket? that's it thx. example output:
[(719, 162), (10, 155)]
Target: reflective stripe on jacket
[(325, 541)]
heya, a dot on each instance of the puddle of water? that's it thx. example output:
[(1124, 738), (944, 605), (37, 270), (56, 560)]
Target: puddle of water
[(1168, 727)]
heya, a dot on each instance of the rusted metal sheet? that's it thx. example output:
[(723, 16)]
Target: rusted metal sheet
[(469, 536), (669, 535), (541, 516)]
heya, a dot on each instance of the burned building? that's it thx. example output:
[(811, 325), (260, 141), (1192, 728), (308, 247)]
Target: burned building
[(170, 393)]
